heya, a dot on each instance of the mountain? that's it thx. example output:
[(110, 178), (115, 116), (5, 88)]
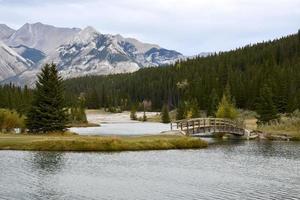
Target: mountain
[(40, 36), (31, 54), (11, 63), (5, 32), (90, 52), (80, 52)]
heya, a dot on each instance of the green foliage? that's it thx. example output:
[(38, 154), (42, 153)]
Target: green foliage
[(165, 117), (181, 113), (77, 112), (48, 112), (195, 111), (213, 104), (226, 109), (15, 98), (266, 108), (10, 119), (133, 115), (92, 99)]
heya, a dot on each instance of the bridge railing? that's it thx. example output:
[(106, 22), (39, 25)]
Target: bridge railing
[(192, 125)]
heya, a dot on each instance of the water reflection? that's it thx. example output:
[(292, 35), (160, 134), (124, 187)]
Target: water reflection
[(49, 162)]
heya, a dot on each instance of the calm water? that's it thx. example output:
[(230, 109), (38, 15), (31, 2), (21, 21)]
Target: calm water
[(239, 170), (127, 128)]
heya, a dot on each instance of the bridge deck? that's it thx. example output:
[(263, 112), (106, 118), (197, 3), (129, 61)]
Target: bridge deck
[(209, 125)]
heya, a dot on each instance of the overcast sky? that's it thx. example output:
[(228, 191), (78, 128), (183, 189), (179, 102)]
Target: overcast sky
[(188, 26)]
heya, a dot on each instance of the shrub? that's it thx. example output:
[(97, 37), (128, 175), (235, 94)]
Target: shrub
[(10, 119), (226, 109), (133, 115)]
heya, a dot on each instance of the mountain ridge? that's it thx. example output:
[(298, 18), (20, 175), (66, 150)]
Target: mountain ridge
[(80, 52)]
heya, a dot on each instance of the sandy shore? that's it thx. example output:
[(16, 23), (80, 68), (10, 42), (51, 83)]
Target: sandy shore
[(99, 116)]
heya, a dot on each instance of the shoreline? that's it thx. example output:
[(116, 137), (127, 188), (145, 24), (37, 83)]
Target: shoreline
[(69, 142)]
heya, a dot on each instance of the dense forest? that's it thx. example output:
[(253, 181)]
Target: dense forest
[(272, 65), (15, 98)]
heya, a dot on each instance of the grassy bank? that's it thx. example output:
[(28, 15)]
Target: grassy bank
[(287, 126), (97, 143), (82, 125)]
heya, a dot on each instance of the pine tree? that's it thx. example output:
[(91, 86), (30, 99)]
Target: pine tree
[(92, 99), (213, 100), (47, 112), (195, 111), (165, 117), (226, 109), (180, 114), (266, 108)]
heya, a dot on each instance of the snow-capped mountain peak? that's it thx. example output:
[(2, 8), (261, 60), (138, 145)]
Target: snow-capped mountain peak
[(81, 52)]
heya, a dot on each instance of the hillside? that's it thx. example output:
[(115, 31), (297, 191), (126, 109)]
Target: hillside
[(275, 63)]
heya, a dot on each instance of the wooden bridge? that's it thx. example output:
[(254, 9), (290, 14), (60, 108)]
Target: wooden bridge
[(209, 126)]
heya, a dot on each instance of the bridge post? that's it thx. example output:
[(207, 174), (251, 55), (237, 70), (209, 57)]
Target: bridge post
[(214, 124), (187, 125), (193, 127)]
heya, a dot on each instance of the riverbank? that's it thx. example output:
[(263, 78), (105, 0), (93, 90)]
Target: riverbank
[(69, 142), (83, 125)]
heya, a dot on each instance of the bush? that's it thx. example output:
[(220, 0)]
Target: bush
[(226, 109), (10, 119), (133, 115), (285, 124)]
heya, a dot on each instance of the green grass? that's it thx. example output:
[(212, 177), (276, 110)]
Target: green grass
[(69, 142)]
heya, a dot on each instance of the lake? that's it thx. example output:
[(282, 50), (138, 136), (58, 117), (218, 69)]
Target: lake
[(226, 170), (123, 128)]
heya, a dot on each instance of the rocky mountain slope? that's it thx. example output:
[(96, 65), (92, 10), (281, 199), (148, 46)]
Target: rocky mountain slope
[(5, 32), (11, 63), (79, 52)]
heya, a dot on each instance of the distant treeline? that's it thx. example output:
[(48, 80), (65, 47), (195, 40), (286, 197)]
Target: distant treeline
[(202, 81), (15, 98), (274, 64)]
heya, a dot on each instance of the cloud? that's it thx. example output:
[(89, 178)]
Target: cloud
[(190, 26)]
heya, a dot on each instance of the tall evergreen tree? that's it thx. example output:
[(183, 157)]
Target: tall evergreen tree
[(165, 117), (180, 114), (213, 103), (47, 112), (92, 99), (195, 110), (266, 108)]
